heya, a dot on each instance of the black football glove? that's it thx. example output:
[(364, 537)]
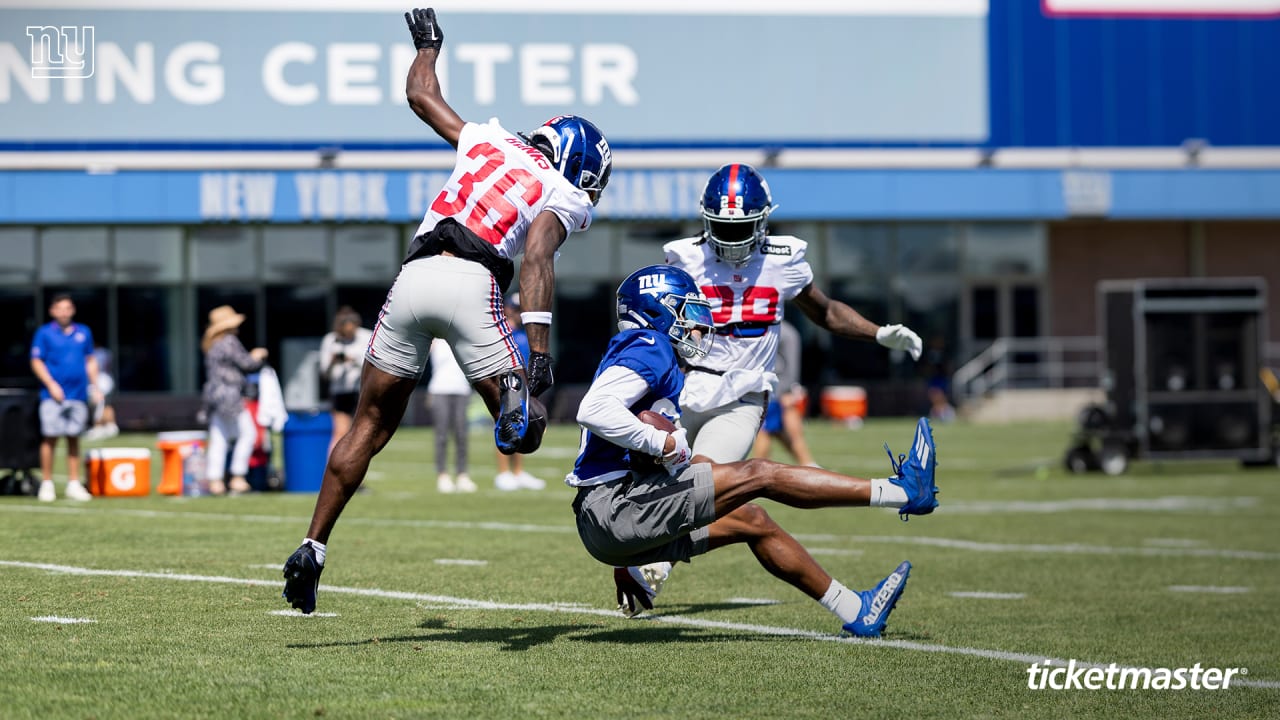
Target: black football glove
[(424, 28), (633, 598), (539, 372)]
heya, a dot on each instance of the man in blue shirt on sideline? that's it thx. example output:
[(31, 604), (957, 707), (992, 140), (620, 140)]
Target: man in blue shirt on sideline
[(63, 360), (643, 499)]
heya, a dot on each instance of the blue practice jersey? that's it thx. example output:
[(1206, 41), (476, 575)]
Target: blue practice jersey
[(64, 355), (649, 354)]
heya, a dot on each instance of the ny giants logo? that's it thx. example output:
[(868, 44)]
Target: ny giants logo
[(61, 52), (652, 284)]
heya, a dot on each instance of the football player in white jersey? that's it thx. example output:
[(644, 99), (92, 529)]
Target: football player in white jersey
[(748, 274), (508, 194)]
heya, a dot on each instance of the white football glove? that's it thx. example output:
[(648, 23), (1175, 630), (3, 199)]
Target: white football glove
[(900, 337), (678, 458)]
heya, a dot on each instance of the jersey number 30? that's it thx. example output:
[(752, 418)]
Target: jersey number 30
[(494, 200), (758, 303)]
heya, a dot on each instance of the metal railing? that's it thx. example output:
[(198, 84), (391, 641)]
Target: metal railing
[(1042, 362)]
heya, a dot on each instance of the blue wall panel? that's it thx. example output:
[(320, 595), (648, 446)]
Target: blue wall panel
[(1131, 81)]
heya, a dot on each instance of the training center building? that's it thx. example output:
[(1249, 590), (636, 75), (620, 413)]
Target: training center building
[(972, 168)]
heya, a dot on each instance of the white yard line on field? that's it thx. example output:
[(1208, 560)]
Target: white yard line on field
[(1173, 542), (987, 595), (1211, 589), (62, 620), (1173, 503), (468, 604), (567, 528), (458, 561)]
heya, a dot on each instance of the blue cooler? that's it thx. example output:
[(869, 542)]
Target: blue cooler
[(306, 449)]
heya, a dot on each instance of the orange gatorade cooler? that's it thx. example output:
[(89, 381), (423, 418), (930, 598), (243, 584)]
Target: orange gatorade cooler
[(174, 449), (119, 472), (845, 402)]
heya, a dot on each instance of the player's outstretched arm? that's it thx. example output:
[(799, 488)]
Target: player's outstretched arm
[(843, 320), (537, 286), (423, 86)]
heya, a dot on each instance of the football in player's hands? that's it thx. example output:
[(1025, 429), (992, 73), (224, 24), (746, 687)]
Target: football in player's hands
[(640, 461)]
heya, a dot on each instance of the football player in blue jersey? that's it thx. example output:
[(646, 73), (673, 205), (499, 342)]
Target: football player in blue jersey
[(643, 497)]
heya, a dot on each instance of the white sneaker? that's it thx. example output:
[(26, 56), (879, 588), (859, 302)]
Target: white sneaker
[(506, 482), (529, 482), (444, 483), (465, 485), (76, 491), (47, 493)]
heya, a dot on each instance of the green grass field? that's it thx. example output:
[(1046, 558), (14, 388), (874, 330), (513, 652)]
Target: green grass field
[(487, 606)]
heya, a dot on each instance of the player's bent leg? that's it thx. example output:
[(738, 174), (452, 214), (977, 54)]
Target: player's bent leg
[(776, 550), (802, 487)]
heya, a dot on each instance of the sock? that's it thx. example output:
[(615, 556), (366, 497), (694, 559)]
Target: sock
[(319, 549), (842, 602), (886, 494)]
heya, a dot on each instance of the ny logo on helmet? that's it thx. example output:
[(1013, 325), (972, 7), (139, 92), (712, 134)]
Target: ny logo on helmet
[(652, 284)]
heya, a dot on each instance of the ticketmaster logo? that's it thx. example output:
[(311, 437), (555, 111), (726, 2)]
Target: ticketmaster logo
[(1112, 677)]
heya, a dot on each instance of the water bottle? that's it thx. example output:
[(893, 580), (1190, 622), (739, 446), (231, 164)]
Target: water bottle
[(194, 483)]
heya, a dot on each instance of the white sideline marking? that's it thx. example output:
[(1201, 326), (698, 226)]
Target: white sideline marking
[(1173, 542), (1220, 590), (833, 551), (988, 595), (452, 561), (444, 601), (62, 620), (951, 543), (752, 601), (298, 613), (1172, 503), (266, 566)]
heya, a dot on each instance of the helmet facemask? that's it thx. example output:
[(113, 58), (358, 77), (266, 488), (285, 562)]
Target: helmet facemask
[(692, 331), (736, 236)]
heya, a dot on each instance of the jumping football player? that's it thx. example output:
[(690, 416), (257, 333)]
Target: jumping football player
[(508, 194), (748, 274), (630, 514)]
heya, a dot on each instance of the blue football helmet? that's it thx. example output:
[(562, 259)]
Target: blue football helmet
[(578, 150), (735, 212), (666, 299)]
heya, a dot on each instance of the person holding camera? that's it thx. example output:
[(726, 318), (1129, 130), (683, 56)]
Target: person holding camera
[(341, 360)]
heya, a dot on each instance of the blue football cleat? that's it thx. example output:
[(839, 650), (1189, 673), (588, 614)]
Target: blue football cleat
[(302, 579), (878, 602), (513, 413), (914, 474)]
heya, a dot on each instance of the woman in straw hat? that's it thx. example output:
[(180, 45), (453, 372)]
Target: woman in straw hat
[(226, 362)]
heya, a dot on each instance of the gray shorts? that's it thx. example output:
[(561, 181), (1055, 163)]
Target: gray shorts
[(68, 418), (450, 298), (726, 434), (647, 518)]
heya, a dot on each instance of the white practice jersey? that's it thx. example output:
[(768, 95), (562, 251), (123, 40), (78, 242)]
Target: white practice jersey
[(747, 303), (500, 185)]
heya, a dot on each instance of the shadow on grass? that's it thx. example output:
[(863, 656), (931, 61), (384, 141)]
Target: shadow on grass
[(517, 638)]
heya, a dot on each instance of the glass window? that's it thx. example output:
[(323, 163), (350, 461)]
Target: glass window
[(297, 320), (364, 253), (221, 253), (931, 307), (585, 318), (91, 309), (364, 299), (18, 248), (1005, 249), (74, 254), (296, 254), (148, 254), (928, 248), (149, 345), (859, 249), (588, 255), (642, 243), (18, 308)]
